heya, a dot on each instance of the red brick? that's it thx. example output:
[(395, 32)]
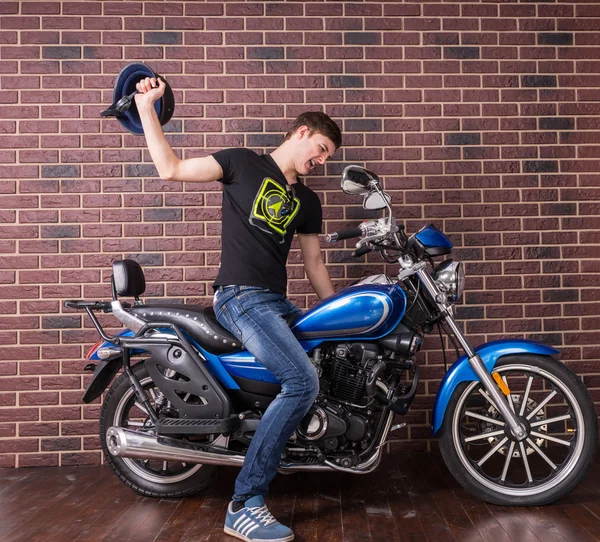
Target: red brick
[(38, 276), (7, 37), (40, 398), (61, 413), (61, 352), (8, 399), (7, 430), (38, 246), (38, 460), (7, 461), (19, 414), (60, 382), (8, 368), (19, 23), (82, 458), (91, 443), (19, 52), (60, 444), (79, 428), (8, 337), (8, 307), (18, 445)]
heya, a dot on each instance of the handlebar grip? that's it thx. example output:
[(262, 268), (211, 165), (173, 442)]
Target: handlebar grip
[(361, 251), (344, 234)]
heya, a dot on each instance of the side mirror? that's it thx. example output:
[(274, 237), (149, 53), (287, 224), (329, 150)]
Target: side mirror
[(375, 201), (358, 181)]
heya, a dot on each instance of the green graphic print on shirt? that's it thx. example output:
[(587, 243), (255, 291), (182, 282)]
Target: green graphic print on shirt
[(273, 209)]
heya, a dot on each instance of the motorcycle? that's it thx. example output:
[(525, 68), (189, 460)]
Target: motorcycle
[(515, 425)]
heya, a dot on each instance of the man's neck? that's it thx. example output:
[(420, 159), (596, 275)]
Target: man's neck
[(285, 163)]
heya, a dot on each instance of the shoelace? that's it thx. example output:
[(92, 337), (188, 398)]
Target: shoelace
[(262, 514)]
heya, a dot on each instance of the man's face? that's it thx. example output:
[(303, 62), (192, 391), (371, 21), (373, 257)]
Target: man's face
[(313, 150)]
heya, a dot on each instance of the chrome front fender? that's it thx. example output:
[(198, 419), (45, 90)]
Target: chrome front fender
[(490, 352)]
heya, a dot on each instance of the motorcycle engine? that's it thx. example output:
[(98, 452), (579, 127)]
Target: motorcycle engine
[(347, 369), (336, 420), (329, 425)]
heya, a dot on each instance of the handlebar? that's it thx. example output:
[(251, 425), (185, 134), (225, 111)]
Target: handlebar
[(382, 234), (343, 234)]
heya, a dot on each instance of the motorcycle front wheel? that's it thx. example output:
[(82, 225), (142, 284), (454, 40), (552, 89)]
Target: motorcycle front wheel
[(152, 478), (562, 434)]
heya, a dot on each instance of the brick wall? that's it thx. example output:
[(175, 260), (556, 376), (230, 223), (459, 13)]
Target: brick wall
[(481, 117)]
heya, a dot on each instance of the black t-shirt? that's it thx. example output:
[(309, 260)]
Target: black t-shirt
[(260, 216)]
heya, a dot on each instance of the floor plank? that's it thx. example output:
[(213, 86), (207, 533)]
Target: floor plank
[(352, 502), (404, 511), (483, 525), (180, 521), (419, 488), (330, 527), (106, 510), (376, 494), (72, 512), (55, 490), (306, 508), (446, 494)]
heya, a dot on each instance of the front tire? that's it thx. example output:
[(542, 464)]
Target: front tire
[(149, 478), (562, 428)]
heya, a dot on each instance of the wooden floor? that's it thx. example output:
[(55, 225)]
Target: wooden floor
[(410, 497)]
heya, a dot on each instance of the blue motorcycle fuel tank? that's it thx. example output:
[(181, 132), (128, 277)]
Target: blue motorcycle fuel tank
[(364, 311)]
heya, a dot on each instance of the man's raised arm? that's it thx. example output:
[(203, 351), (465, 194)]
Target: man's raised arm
[(169, 167)]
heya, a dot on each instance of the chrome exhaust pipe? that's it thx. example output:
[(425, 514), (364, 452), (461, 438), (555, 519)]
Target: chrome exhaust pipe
[(126, 443), (134, 444)]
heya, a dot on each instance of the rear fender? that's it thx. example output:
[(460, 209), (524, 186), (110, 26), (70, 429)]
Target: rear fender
[(490, 353), (106, 370)]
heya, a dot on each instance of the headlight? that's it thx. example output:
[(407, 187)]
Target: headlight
[(450, 278)]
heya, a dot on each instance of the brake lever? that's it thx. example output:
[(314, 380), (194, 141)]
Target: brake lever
[(369, 239)]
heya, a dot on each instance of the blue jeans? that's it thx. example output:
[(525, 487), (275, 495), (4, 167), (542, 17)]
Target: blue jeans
[(256, 317)]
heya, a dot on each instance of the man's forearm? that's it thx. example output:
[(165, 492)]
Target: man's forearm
[(320, 280), (162, 155)]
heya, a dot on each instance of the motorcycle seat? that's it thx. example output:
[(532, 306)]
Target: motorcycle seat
[(198, 321)]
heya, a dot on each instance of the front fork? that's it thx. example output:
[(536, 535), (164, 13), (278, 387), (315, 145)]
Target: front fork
[(475, 361)]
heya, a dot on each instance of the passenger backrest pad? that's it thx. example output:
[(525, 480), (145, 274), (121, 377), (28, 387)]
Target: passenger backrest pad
[(129, 278)]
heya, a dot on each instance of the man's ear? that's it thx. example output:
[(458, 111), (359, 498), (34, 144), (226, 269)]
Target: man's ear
[(302, 131)]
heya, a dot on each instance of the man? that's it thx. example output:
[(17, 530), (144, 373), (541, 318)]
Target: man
[(264, 204)]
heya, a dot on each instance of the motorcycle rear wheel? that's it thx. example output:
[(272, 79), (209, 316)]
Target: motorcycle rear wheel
[(562, 428), (149, 478)]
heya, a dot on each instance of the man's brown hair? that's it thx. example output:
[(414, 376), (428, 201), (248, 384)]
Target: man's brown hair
[(318, 122)]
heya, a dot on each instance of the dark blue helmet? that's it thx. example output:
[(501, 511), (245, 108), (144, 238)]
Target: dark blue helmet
[(124, 107)]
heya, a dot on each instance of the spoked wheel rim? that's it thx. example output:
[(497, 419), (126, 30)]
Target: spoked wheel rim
[(554, 424), (129, 414)]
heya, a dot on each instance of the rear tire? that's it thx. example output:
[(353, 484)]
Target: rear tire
[(133, 472), (574, 441)]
